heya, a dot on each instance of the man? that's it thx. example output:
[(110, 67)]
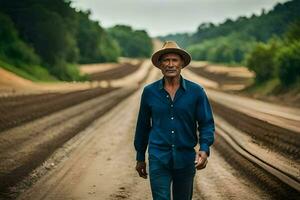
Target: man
[(171, 111)]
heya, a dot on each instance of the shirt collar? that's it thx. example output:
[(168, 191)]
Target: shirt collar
[(182, 83)]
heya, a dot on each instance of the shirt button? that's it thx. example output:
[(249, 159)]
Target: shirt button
[(167, 96), (173, 145), (172, 118), (172, 131), (172, 105)]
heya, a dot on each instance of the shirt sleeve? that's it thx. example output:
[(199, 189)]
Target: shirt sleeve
[(143, 128), (206, 126)]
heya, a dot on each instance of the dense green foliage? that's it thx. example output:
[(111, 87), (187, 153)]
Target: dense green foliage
[(262, 60), (51, 27), (261, 27), (52, 34), (288, 63), (268, 44), (135, 43), (288, 58), (13, 47), (228, 49), (237, 36), (279, 58), (182, 39), (17, 56), (48, 29), (94, 42)]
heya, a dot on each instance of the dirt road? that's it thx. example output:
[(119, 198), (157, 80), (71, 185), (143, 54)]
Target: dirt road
[(101, 164), (99, 161)]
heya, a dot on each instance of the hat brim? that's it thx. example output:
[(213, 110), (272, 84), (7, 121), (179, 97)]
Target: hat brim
[(185, 56)]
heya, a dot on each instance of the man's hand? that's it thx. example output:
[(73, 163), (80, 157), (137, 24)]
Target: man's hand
[(141, 169), (201, 160)]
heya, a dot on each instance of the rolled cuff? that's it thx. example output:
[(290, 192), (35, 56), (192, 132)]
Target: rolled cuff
[(140, 156), (204, 147)]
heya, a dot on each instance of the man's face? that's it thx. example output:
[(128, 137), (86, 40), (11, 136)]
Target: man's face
[(171, 64)]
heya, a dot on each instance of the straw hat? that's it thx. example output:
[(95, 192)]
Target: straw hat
[(171, 47)]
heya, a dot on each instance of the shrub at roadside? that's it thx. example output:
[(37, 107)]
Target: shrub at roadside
[(279, 58), (288, 63), (262, 60)]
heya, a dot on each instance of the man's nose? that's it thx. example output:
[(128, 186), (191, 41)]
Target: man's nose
[(170, 63)]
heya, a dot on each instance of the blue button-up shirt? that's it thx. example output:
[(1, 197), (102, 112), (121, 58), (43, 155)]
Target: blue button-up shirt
[(170, 127)]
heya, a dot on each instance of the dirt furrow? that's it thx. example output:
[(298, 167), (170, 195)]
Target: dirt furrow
[(17, 100), (222, 78), (32, 143), (115, 73), (38, 106), (278, 139), (255, 175)]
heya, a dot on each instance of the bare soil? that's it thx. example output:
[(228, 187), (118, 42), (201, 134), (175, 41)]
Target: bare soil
[(33, 126), (116, 73), (270, 186), (25, 147), (16, 110), (97, 67), (276, 138), (101, 164), (228, 78), (220, 180)]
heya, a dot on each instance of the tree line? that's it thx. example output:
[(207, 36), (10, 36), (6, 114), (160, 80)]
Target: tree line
[(268, 43), (47, 39), (279, 58)]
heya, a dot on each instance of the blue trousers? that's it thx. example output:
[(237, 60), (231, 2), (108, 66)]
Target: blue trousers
[(164, 179)]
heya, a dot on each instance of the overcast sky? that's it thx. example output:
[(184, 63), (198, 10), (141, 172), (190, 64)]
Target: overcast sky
[(161, 17)]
